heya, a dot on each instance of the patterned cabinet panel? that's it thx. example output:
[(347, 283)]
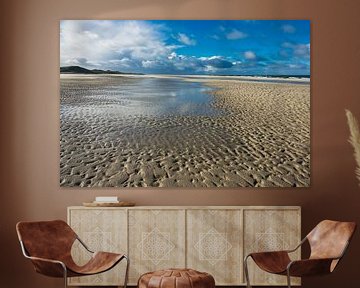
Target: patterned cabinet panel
[(101, 230), (156, 240), (209, 239), (214, 244), (269, 230)]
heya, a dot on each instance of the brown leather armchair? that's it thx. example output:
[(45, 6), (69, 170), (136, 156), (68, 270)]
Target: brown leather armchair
[(48, 245), (328, 242)]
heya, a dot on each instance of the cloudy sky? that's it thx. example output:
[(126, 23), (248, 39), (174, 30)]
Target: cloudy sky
[(224, 47)]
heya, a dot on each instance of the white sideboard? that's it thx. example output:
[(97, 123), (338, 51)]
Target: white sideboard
[(211, 239)]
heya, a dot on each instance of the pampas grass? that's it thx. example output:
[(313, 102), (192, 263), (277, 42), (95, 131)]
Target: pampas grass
[(354, 140)]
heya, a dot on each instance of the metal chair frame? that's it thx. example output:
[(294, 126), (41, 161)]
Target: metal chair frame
[(23, 249)]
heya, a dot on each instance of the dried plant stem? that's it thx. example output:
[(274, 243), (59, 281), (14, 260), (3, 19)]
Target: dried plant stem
[(354, 140)]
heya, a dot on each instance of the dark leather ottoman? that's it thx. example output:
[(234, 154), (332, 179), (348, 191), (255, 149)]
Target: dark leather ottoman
[(176, 278)]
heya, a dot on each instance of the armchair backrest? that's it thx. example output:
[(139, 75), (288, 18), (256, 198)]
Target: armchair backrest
[(329, 239), (46, 239)]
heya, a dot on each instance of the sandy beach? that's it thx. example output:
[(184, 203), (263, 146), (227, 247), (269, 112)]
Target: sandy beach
[(256, 134)]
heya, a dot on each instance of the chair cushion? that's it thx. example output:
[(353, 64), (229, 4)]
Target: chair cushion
[(176, 278)]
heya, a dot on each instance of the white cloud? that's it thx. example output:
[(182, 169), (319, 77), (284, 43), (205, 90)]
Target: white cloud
[(210, 58), (182, 62), (148, 63), (172, 55), (235, 63), (300, 50), (184, 39), (250, 55), (210, 69), (287, 28), (108, 42), (124, 62), (236, 34), (201, 64), (218, 62), (131, 46)]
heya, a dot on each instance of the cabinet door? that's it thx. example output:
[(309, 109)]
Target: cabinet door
[(156, 240), (214, 244), (101, 230), (271, 230)]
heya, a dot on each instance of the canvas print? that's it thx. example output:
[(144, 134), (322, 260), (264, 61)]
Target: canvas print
[(180, 103)]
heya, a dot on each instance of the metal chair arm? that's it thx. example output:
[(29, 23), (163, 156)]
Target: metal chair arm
[(287, 251), (37, 262), (298, 246), (47, 260), (39, 258), (83, 244)]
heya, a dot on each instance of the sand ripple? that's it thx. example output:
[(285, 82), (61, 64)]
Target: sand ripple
[(261, 139)]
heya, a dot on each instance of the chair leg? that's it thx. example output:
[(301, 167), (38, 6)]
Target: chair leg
[(288, 278), (127, 271), (246, 270), (65, 276)]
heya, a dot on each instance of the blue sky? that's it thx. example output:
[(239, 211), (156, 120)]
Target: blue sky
[(222, 47)]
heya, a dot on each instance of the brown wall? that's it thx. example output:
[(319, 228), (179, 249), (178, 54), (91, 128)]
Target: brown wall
[(29, 111)]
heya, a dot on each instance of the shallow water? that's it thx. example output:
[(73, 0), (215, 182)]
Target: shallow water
[(140, 96)]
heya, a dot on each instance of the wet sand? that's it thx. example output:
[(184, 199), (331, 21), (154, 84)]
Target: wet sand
[(259, 138)]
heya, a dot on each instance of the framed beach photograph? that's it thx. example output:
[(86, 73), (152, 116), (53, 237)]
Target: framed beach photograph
[(185, 103)]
